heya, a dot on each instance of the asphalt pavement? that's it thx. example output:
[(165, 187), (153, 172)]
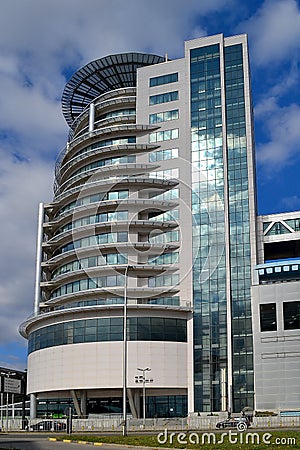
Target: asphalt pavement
[(41, 441)]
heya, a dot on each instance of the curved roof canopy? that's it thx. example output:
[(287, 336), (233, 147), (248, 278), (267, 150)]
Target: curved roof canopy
[(99, 76)]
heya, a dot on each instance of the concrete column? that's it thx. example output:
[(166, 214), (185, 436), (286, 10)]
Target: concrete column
[(137, 402), (33, 405), (83, 403), (76, 403), (131, 403)]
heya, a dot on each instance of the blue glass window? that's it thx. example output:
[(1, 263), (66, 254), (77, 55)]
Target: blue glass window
[(163, 98), (163, 79), (108, 329)]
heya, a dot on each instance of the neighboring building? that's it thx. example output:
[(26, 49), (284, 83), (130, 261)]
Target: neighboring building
[(13, 400), (154, 203), (276, 313)]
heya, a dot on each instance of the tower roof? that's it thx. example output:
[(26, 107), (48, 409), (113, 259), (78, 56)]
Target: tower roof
[(102, 75)]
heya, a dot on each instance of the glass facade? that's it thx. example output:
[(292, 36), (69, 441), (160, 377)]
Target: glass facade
[(108, 329), (209, 273), (239, 226), (220, 184), (156, 406)]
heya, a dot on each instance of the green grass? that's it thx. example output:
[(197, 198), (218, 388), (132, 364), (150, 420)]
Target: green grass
[(238, 441)]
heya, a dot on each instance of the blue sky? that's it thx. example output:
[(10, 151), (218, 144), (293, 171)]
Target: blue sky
[(43, 42)]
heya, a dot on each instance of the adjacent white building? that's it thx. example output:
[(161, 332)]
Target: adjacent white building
[(276, 314)]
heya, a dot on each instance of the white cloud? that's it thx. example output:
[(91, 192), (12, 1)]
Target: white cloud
[(274, 31), (22, 186), (291, 203), (65, 30), (282, 126)]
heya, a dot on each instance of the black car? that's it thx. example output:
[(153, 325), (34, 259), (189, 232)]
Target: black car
[(241, 423), (48, 425)]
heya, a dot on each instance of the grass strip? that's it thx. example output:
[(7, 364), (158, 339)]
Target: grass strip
[(228, 440)]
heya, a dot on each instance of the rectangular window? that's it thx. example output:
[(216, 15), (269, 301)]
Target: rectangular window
[(291, 315), (163, 155), (168, 173), (163, 98), (268, 321), (164, 116), (163, 79), (165, 135)]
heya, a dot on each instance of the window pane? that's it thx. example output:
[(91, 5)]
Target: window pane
[(268, 321), (291, 314)]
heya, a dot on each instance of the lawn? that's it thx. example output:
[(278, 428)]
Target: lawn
[(228, 440)]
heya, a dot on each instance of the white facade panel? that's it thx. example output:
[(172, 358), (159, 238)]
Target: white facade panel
[(97, 366)]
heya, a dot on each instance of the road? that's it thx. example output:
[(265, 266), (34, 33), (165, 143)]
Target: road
[(35, 441)]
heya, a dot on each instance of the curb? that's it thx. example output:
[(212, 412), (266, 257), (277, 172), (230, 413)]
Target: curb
[(99, 444), (70, 441)]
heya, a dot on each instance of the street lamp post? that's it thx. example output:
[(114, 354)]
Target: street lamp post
[(125, 350), (1, 426), (142, 379)]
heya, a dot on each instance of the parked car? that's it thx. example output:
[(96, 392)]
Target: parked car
[(48, 425), (241, 423)]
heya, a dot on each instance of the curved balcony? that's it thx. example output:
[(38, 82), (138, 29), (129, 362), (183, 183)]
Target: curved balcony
[(105, 106), (93, 137), (107, 121), (143, 226), (114, 95), (142, 271), (132, 205), (93, 164), (82, 181), (59, 170), (71, 255), (103, 292), (91, 186)]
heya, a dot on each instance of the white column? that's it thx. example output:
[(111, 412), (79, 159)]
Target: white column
[(37, 291), (83, 403), (91, 117), (33, 404)]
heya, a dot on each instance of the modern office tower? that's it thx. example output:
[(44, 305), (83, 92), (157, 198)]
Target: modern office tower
[(152, 224)]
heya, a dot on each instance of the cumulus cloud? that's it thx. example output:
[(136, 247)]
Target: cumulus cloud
[(282, 126), (291, 203), (22, 186), (274, 31)]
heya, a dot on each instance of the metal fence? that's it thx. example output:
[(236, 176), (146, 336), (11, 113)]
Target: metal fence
[(135, 425)]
